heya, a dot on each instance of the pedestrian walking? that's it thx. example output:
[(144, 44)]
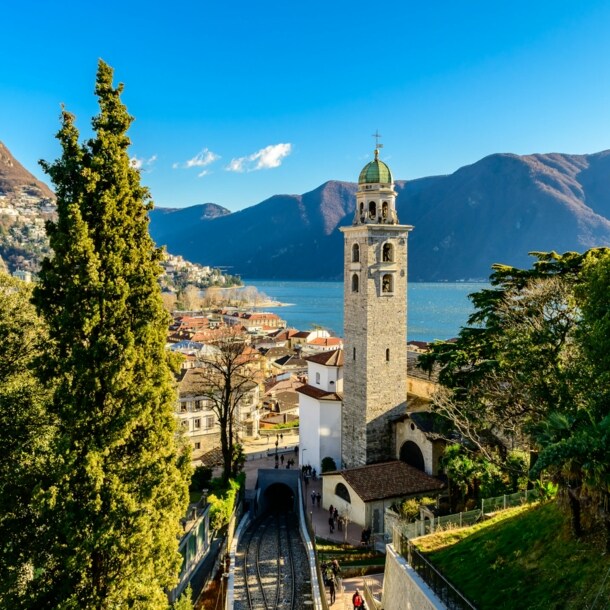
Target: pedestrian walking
[(357, 601), (313, 498), (335, 515), (331, 590), (331, 525), (318, 498), (331, 510)]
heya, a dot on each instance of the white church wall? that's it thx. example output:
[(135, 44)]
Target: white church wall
[(309, 437), (330, 431), (327, 378), (355, 510)]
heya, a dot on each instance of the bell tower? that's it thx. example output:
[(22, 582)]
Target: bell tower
[(375, 319)]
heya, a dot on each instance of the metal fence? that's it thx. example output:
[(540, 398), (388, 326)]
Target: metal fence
[(443, 589), (421, 527), (491, 505)]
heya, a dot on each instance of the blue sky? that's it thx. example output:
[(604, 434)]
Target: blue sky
[(238, 101)]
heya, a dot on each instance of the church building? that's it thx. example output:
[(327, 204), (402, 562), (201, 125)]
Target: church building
[(375, 320)]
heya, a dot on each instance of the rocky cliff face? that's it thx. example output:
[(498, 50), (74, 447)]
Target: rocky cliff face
[(16, 180), (25, 205), (496, 210)]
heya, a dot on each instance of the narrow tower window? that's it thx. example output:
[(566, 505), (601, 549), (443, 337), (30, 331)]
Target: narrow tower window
[(355, 253), (388, 253), (355, 282), (387, 283), (372, 210), (384, 210), (387, 355), (354, 354), (318, 378)]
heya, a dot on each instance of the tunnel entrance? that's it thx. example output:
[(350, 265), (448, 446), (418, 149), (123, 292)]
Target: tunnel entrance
[(279, 497)]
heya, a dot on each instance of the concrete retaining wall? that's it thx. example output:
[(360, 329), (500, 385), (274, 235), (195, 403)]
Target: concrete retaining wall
[(403, 589)]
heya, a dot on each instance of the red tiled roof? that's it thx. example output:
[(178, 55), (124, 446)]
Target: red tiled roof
[(332, 358), (326, 342), (389, 480), (309, 390)]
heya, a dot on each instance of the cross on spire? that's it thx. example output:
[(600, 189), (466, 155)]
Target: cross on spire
[(377, 135)]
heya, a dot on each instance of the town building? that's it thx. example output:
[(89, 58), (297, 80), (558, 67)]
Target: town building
[(199, 422)]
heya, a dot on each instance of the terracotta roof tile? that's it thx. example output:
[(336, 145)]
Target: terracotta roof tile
[(389, 480), (319, 394), (332, 358)]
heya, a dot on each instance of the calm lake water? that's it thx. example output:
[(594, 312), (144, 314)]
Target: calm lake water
[(436, 311)]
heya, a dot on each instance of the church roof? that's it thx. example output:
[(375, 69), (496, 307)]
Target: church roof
[(375, 172), (331, 358), (388, 480), (318, 394)]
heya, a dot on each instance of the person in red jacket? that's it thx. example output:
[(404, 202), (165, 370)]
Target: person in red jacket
[(357, 601)]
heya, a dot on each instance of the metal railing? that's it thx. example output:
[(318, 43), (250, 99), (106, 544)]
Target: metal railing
[(312, 536), (372, 603), (490, 505), (444, 590)]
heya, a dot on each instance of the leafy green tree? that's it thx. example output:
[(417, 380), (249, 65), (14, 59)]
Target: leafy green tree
[(575, 445), (120, 483), (532, 368), (26, 430)]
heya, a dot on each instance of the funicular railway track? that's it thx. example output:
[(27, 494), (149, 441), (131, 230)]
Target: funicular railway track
[(270, 572)]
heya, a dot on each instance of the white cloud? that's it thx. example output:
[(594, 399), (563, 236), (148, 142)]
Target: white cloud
[(266, 158), (141, 163), (201, 159)]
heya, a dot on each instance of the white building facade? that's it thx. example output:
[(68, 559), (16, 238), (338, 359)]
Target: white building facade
[(320, 410)]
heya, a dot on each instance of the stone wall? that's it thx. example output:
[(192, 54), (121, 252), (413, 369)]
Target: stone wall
[(375, 325), (403, 589)]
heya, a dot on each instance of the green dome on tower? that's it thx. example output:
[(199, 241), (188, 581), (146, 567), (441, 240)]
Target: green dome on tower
[(375, 172)]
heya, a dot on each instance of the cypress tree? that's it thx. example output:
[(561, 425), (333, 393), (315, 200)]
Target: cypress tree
[(120, 482)]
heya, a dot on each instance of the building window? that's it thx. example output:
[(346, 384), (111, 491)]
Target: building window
[(185, 424), (197, 424), (182, 407), (372, 210), (209, 422), (198, 405), (342, 492), (388, 253), (387, 355), (384, 210), (197, 445), (355, 283), (318, 378), (387, 284), (354, 354), (355, 253)]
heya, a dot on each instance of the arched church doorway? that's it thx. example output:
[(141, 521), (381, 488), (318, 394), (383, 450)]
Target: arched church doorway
[(411, 454)]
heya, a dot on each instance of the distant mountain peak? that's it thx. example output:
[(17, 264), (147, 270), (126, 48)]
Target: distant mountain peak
[(14, 178), (495, 210)]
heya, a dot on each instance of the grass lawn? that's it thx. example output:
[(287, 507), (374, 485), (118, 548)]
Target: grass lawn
[(523, 559)]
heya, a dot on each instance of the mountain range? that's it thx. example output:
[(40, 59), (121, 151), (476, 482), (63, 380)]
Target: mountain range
[(495, 210)]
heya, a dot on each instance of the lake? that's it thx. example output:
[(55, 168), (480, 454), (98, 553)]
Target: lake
[(436, 311)]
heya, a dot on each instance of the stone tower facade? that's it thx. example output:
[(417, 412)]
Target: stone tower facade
[(375, 320)]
